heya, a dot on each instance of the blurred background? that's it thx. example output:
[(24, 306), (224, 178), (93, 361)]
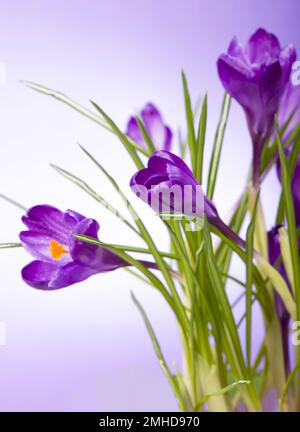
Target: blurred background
[(85, 347)]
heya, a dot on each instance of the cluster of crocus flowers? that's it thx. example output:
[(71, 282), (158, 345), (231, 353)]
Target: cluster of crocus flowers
[(66, 248), (257, 75)]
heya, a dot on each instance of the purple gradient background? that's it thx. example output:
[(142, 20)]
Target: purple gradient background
[(86, 348)]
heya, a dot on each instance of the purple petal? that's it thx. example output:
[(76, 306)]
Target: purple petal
[(160, 134), (287, 57), (235, 49), (38, 245), (159, 161), (141, 177), (239, 81), (261, 46), (38, 274), (168, 139), (51, 221), (70, 274), (74, 215), (270, 86), (93, 256), (210, 210), (134, 132)]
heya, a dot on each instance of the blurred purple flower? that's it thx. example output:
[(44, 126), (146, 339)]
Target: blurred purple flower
[(283, 315), (256, 75), (290, 104), (168, 185), (160, 134), (62, 259)]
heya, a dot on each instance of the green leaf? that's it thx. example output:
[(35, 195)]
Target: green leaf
[(13, 202), (201, 140), (79, 108), (262, 293), (190, 121), (291, 167), (148, 240), (278, 283), (159, 354), (146, 136), (289, 380), (135, 263), (286, 255), (123, 138), (65, 99), (216, 152), (290, 216), (10, 245), (92, 240), (220, 392), (223, 252), (249, 279), (270, 156), (234, 350), (84, 186)]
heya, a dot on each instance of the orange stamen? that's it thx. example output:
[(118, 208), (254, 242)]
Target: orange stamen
[(57, 250)]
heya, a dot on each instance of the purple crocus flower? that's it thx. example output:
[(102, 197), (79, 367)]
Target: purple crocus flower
[(160, 134), (60, 258), (283, 315), (168, 185), (256, 75)]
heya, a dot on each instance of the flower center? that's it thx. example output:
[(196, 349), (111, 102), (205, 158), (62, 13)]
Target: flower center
[(57, 250)]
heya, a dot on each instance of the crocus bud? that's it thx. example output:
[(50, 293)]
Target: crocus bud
[(160, 134)]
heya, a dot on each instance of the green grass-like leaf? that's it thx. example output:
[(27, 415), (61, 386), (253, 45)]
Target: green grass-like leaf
[(13, 202), (84, 186), (220, 392), (131, 149), (290, 217), (234, 350), (10, 245), (148, 240), (201, 140), (135, 249), (190, 121), (173, 381), (82, 110), (146, 136), (292, 160), (217, 148), (249, 280)]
